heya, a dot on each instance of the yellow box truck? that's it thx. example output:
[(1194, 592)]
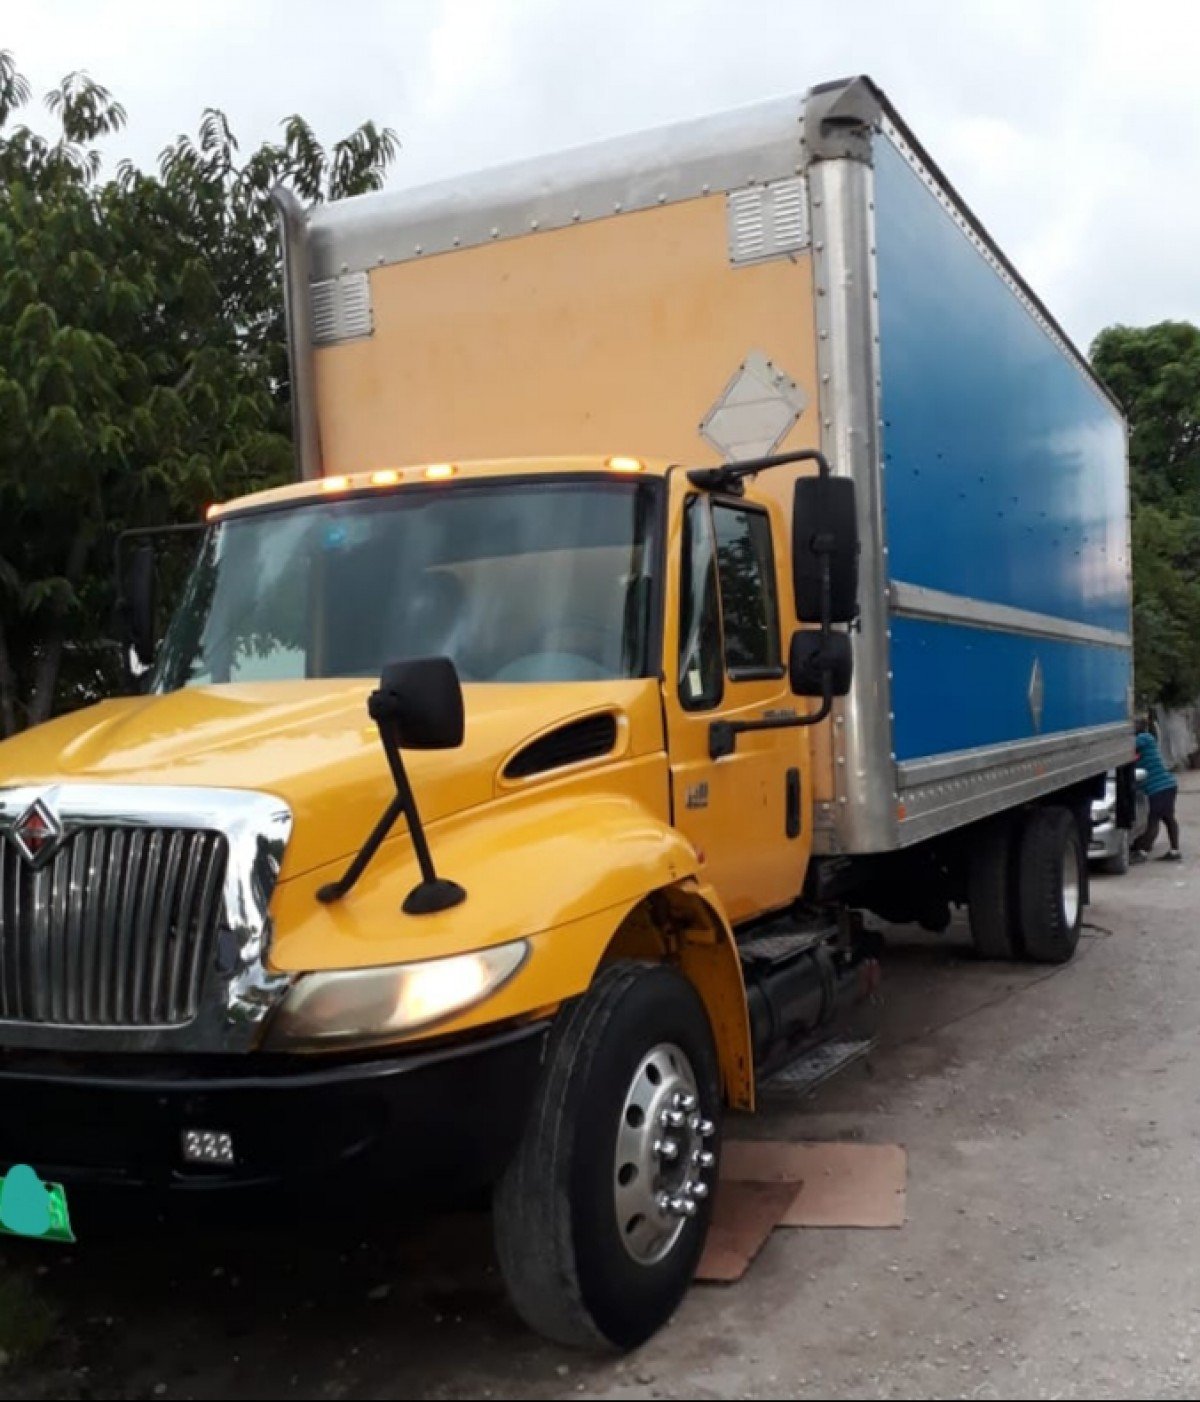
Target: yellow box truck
[(698, 540)]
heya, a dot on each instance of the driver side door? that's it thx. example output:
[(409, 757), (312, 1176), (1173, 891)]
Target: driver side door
[(744, 811)]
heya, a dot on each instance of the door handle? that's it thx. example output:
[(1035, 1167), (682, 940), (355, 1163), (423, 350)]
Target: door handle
[(793, 803)]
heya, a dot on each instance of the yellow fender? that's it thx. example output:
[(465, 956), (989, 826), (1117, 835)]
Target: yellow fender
[(535, 873)]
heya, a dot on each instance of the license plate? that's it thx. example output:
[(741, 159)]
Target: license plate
[(60, 1216)]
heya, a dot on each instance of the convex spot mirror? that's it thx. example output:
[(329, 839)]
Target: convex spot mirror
[(814, 658), (420, 701), (825, 529)]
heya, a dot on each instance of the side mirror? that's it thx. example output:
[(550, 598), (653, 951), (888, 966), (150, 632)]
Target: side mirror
[(418, 706), (820, 665), (139, 589), (420, 702), (825, 535)]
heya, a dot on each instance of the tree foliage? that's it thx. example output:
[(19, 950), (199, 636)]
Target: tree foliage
[(143, 369), (1154, 372)]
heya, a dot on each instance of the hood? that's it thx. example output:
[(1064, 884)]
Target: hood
[(312, 744)]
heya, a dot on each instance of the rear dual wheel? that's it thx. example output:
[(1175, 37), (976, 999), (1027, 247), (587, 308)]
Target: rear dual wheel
[(601, 1218), (1026, 884)]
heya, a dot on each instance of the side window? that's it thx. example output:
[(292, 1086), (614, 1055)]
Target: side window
[(749, 605), (701, 671)]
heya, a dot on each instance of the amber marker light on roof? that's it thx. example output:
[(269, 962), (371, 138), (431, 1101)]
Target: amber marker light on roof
[(389, 477), (334, 484), (440, 471), (212, 512), (626, 464)]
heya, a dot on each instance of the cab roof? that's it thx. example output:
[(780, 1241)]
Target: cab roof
[(423, 474)]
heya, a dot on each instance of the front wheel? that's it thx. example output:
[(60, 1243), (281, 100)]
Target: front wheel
[(601, 1218)]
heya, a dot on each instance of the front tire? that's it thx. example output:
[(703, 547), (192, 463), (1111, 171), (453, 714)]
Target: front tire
[(601, 1218)]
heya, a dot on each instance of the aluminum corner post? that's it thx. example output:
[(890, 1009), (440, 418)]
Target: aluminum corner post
[(863, 815), (293, 236)]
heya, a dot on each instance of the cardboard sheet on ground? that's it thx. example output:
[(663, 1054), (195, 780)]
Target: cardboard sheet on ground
[(744, 1216), (840, 1185), (766, 1184)]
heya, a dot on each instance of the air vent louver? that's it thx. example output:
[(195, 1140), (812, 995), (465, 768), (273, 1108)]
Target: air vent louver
[(589, 738)]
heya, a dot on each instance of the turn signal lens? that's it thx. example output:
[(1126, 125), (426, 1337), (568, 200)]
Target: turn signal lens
[(626, 464), (440, 471), (212, 512), (389, 477), (334, 484)]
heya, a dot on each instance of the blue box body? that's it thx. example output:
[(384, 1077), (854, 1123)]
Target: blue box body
[(1004, 481)]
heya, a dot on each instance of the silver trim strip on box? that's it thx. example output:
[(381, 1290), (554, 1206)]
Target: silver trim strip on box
[(916, 773), (297, 312), (916, 601), (937, 807), (238, 991), (752, 145), (841, 191)]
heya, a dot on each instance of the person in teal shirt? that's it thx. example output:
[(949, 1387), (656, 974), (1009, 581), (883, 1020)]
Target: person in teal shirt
[(1161, 788)]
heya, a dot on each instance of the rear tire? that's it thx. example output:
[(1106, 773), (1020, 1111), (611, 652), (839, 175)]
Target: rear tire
[(590, 1257), (1052, 880), (991, 891)]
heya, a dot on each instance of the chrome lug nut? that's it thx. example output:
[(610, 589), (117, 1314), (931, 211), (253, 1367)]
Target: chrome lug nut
[(699, 1191), (703, 1159), (689, 1208), (687, 1103), (672, 1119), (666, 1149), (706, 1129)]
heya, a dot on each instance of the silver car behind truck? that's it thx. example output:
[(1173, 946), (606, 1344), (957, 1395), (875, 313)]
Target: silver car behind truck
[(1109, 847)]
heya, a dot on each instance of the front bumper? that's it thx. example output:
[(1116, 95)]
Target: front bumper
[(1107, 841), (437, 1123)]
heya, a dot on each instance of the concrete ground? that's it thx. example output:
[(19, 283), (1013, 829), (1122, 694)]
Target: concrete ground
[(1052, 1119)]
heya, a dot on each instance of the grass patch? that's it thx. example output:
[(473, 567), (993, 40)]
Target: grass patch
[(27, 1321)]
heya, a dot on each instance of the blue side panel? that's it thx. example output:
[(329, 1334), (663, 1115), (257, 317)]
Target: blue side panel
[(1004, 481), (956, 688)]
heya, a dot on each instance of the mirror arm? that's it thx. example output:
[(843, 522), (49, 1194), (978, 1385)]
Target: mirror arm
[(722, 734), (728, 477), (335, 890), (433, 893)]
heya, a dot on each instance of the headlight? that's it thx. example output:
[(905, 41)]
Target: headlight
[(356, 1007)]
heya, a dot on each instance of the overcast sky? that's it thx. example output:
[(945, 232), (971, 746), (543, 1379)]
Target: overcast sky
[(1072, 127)]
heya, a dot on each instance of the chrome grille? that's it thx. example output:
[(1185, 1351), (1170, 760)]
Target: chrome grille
[(117, 929)]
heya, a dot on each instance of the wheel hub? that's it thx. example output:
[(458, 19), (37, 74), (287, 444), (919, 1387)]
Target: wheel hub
[(1071, 895), (662, 1164)]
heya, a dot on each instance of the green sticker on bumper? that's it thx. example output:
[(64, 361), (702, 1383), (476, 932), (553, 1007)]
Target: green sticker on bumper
[(31, 1208)]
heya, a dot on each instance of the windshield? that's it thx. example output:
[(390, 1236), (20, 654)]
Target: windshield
[(541, 581)]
